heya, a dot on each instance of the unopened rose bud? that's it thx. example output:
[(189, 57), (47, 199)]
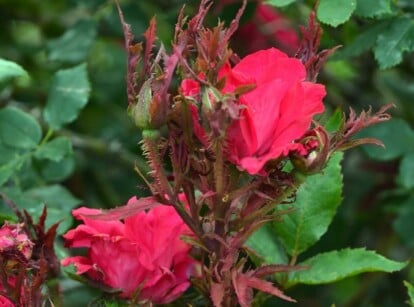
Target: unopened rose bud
[(148, 112), (314, 153), (157, 112), (140, 110)]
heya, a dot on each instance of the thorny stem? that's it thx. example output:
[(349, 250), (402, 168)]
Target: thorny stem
[(219, 210), (219, 171), (163, 188), (190, 222), (298, 179)]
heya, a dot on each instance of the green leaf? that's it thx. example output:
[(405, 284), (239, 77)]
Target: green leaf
[(333, 266), (58, 199), (55, 150), (59, 202), (19, 129), (340, 69), (10, 70), (68, 94), (410, 291), (394, 41), (7, 153), (313, 210), (73, 46), (373, 8), (335, 121), (52, 171), (279, 3), (335, 12), (10, 167), (265, 243), (406, 172), (386, 132), (403, 225), (364, 41)]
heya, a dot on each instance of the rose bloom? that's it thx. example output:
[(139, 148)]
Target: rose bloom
[(266, 28), (142, 256), (276, 113), (5, 302)]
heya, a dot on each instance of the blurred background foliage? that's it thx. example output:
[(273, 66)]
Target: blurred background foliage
[(94, 156)]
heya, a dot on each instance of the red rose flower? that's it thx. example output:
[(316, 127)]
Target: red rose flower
[(5, 302), (266, 28), (141, 256), (11, 284), (276, 113)]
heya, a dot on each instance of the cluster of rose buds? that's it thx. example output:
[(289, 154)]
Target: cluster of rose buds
[(15, 248), (217, 145), (27, 259)]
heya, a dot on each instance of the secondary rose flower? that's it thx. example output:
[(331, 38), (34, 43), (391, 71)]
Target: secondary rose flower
[(266, 28), (4, 302), (276, 113), (142, 255)]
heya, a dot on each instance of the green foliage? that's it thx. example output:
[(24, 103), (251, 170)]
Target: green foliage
[(406, 171), (396, 39), (68, 94), (8, 168), (395, 147), (265, 244), (317, 200), (19, 129), (9, 70), (389, 38), (54, 150), (365, 40), (403, 224), (280, 3), (373, 8), (410, 291), (74, 45), (335, 121), (335, 12), (58, 199), (336, 265)]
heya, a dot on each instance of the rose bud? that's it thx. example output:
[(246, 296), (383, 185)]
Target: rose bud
[(313, 154)]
